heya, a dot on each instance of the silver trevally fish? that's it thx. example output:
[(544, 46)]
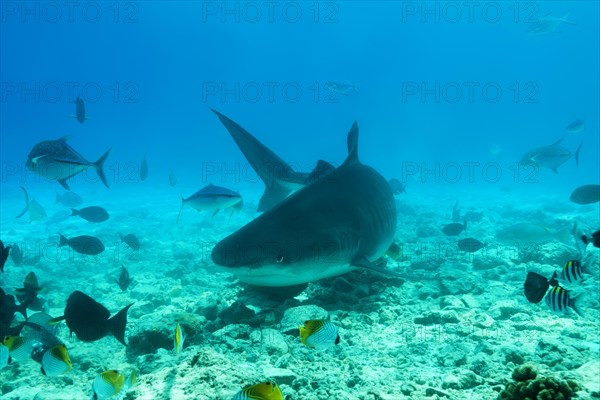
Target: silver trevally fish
[(59, 217), (576, 126), (69, 199), (57, 161), (35, 209), (211, 198), (549, 24), (551, 156), (532, 233)]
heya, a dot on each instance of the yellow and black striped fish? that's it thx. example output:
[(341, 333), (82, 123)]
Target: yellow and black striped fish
[(559, 300), (318, 333), (56, 361), (261, 391), (572, 272), (107, 384), (20, 348)]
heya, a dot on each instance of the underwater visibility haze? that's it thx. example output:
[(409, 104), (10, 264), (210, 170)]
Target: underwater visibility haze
[(342, 200)]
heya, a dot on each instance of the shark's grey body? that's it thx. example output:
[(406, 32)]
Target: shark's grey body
[(327, 228), (279, 178)]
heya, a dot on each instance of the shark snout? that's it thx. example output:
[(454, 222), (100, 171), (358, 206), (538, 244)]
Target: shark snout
[(225, 255)]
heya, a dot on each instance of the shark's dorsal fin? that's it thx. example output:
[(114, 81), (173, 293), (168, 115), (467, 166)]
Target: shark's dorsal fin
[(352, 145)]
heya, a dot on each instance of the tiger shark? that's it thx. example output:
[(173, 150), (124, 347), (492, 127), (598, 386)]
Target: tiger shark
[(336, 224)]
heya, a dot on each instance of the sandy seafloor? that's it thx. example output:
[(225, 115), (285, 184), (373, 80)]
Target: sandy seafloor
[(458, 332)]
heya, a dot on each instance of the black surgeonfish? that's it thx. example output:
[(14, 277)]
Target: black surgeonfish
[(3, 255), (91, 321), (537, 285), (8, 308), (594, 239)]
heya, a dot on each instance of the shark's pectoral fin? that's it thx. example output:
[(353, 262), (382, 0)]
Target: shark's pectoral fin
[(272, 196), (375, 266)]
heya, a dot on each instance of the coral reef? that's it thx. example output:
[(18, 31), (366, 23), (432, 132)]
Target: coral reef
[(527, 385)]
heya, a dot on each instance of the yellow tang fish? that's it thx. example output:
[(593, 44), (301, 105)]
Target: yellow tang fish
[(261, 391), (318, 333)]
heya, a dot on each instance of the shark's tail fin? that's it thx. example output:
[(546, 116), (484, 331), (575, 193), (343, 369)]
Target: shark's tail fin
[(26, 203), (99, 165)]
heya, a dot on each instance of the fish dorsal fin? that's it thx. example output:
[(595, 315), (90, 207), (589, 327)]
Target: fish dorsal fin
[(557, 142), (65, 138), (352, 145)]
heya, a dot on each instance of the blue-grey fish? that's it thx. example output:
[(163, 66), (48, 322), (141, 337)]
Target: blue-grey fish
[(124, 279), (551, 156), (91, 214), (549, 24), (68, 199), (57, 161), (83, 244), (211, 198), (58, 217), (576, 126), (397, 186), (79, 110), (345, 88), (16, 255), (473, 216), (172, 178), (33, 208), (586, 194), (470, 245), (455, 213), (144, 169), (455, 228), (130, 240)]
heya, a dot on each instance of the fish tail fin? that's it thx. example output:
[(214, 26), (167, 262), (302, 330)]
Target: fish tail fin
[(120, 237), (574, 304), (99, 165), (118, 323), (63, 240), (26, 203), (577, 154), (74, 211), (565, 18), (181, 209)]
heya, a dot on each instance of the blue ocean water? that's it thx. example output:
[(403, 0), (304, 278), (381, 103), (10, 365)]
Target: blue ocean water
[(448, 96)]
